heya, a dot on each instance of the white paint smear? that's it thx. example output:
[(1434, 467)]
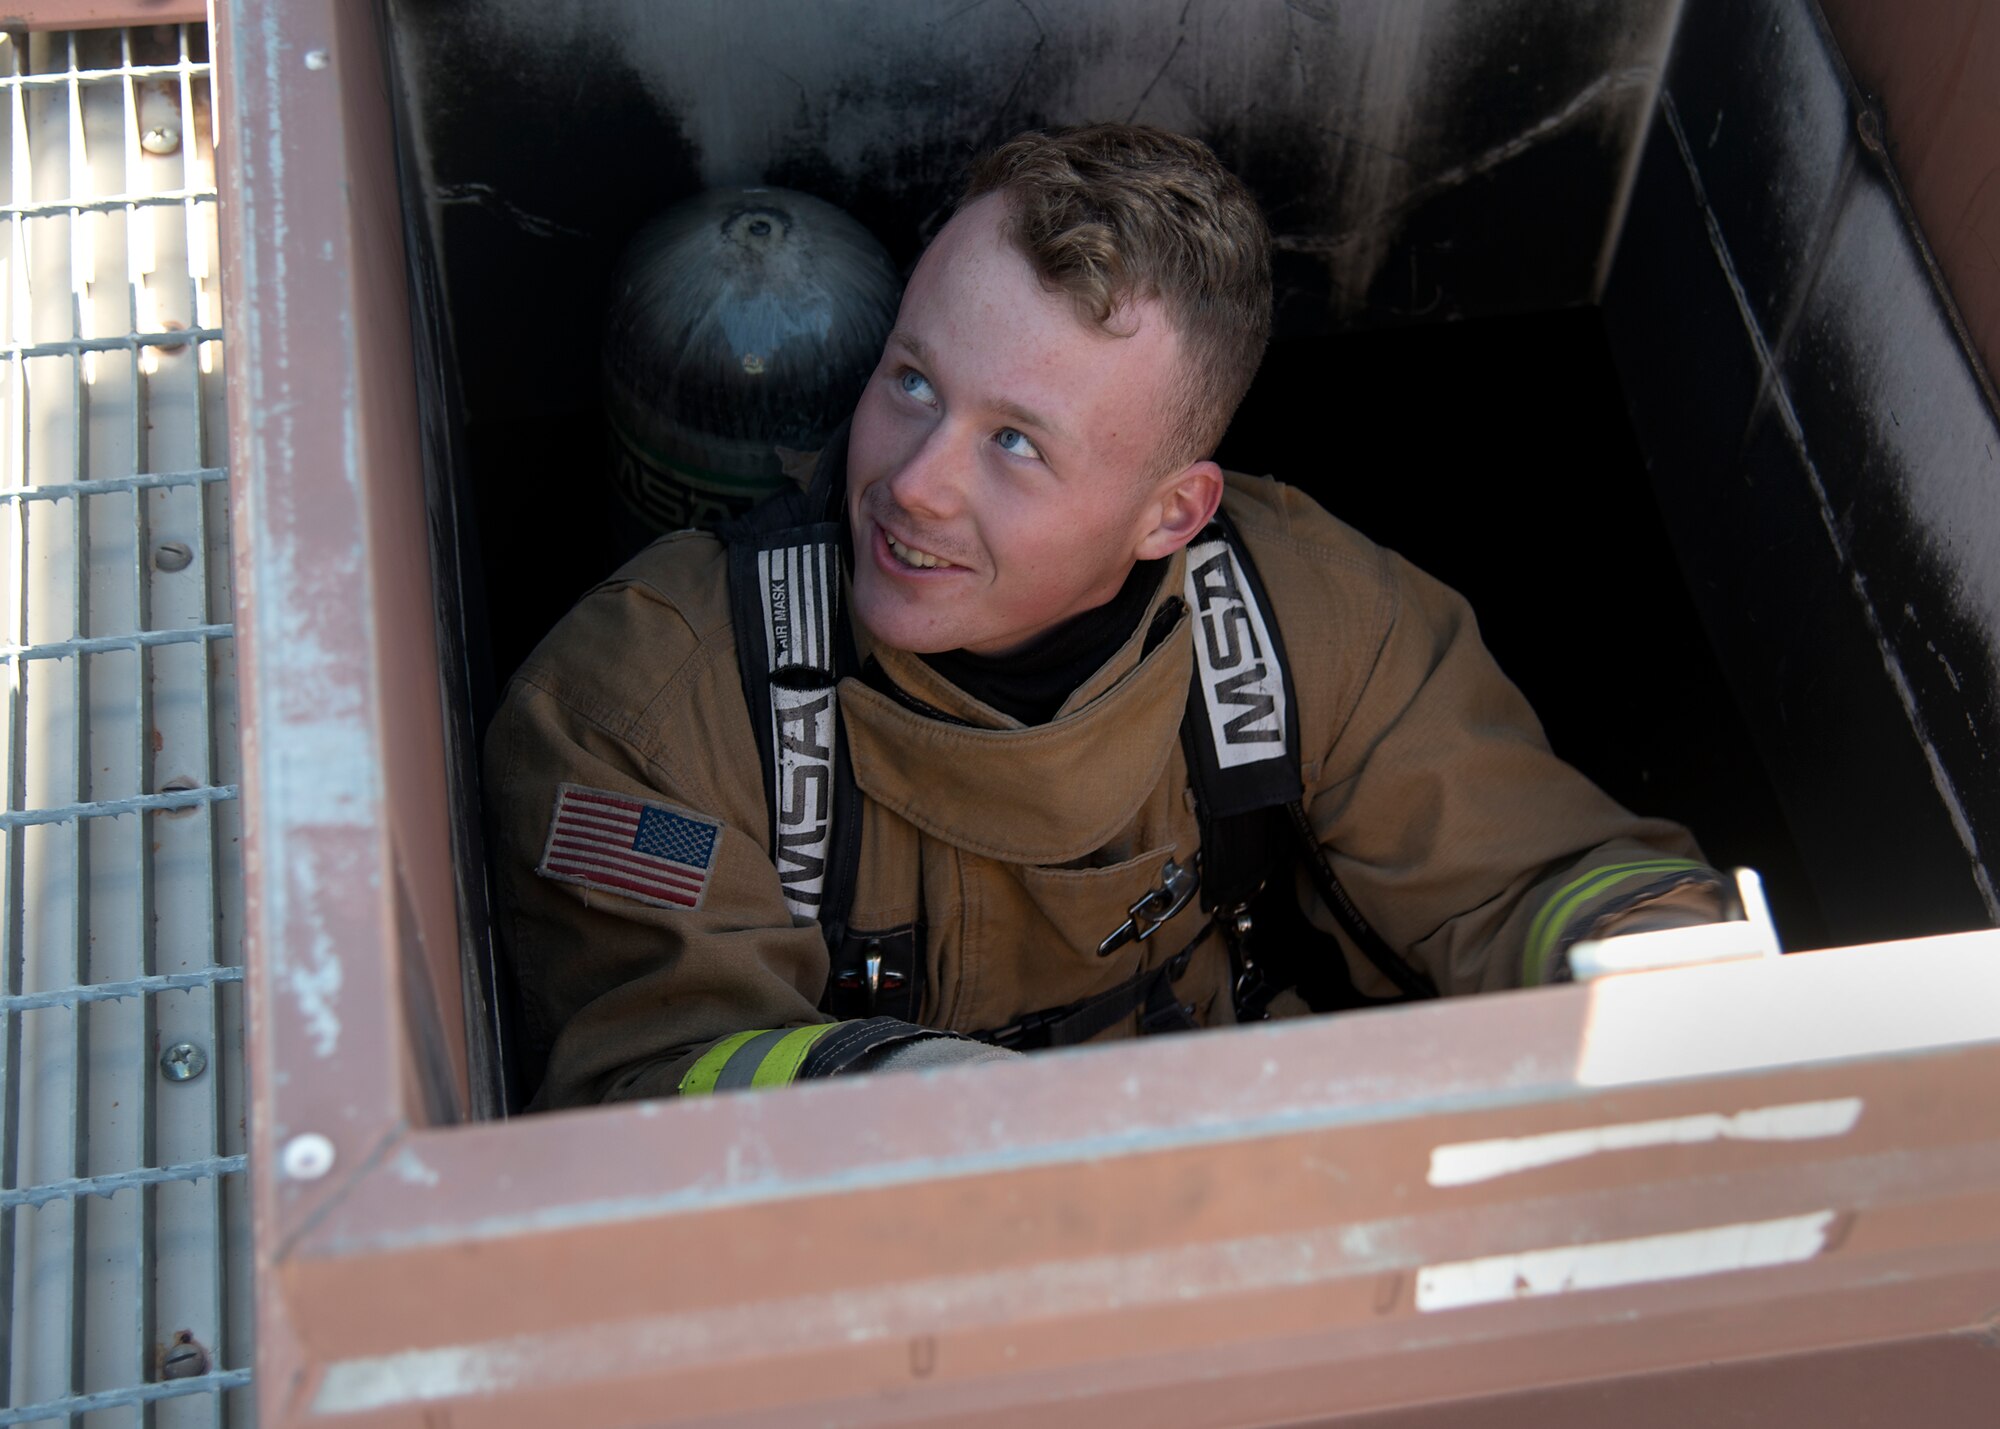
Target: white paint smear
[(1750, 1245), (1465, 1162)]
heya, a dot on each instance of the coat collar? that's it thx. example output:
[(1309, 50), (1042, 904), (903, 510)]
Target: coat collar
[(1046, 795)]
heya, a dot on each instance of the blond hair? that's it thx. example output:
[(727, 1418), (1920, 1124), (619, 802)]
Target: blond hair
[(1116, 213)]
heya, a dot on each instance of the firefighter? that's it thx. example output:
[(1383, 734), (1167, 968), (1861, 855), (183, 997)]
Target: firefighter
[(1022, 723)]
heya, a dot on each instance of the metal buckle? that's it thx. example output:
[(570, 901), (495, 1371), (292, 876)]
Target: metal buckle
[(869, 975), (1178, 882)]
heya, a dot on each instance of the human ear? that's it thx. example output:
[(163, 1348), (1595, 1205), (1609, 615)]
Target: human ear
[(1185, 505)]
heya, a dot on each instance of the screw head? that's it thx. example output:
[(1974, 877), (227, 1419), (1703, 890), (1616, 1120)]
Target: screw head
[(183, 1062), (173, 556), (307, 1157)]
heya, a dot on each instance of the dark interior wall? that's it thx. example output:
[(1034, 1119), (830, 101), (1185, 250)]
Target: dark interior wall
[(1826, 459), (1496, 453), (1430, 158)]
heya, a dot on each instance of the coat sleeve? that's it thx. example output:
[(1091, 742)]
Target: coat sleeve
[(634, 694), (1477, 853), (622, 997)]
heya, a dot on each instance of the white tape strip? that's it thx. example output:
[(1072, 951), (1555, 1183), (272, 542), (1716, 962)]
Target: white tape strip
[(1465, 1162), (1749, 1245)]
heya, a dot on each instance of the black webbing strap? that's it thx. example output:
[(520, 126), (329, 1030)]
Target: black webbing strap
[(1150, 993), (1411, 981), (793, 646)]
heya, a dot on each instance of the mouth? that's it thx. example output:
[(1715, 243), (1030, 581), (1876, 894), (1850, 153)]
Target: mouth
[(912, 558)]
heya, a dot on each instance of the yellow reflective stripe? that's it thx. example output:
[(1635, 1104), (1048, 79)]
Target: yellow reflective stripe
[(700, 1078), (1564, 900), (1562, 905), (782, 1062)]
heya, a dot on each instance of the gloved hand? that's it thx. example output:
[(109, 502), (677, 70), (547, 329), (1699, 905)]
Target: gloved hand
[(1685, 907), (1688, 924), (934, 1052)]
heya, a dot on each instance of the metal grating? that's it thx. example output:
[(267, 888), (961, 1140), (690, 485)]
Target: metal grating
[(124, 1219)]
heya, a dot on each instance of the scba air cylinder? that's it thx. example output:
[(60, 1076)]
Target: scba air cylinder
[(741, 321)]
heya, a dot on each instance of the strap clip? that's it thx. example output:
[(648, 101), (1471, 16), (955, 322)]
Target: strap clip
[(1178, 882)]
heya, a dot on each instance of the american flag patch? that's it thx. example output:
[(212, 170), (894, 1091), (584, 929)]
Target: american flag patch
[(648, 852)]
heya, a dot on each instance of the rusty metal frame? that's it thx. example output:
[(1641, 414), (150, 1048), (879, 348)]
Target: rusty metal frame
[(93, 14), (1256, 1227)]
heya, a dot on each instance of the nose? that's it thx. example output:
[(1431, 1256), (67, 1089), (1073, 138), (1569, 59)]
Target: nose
[(931, 482)]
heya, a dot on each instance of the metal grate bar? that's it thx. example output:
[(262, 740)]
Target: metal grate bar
[(112, 991), (121, 342), (73, 76), (140, 256), (112, 808), (115, 807), (123, 1398), (111, 203), (20, 171), (79, 1187), (82, 271), (202, 313), (102, 644), (109, 485)]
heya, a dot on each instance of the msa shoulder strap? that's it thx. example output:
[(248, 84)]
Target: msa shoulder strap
[(793, 647), (1242, 725), (1241, 738)]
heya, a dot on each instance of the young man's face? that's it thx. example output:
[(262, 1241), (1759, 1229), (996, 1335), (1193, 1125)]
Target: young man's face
[(1004, 464)]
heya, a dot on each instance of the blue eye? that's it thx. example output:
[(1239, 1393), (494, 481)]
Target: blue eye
[(915, 384), (1016, 443)]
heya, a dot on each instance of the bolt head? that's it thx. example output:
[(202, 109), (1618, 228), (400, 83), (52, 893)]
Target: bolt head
[(183, 1062)]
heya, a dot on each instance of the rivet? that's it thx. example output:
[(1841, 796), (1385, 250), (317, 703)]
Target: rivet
[(1869, 125), (183, 1062), (307, 1157), (173, 556), (316, 59)]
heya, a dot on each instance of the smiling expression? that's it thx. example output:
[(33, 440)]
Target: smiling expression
[(1003, 466)]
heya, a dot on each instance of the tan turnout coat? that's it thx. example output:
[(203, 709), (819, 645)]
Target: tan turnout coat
[(1427, 778)]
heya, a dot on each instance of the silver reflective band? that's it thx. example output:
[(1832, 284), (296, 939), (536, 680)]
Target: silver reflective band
[(799, 592), (1242, 685)]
